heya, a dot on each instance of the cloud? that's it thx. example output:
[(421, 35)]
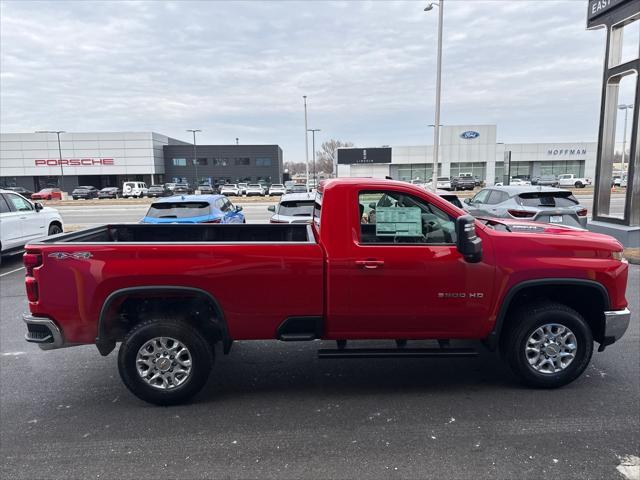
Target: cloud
[(239, 69)]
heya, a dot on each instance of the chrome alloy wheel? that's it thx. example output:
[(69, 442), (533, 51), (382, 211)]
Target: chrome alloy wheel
[(164, 363), (551, 348)]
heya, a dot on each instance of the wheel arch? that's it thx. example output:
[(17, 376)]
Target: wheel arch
[(587, 297), (111, 328)]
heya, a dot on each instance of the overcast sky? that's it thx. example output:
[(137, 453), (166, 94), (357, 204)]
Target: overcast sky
[(239, 69)]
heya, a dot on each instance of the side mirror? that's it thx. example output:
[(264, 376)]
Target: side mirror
[(467, 201), (271, 208), (238, 208), (467, 242), (38, 206)]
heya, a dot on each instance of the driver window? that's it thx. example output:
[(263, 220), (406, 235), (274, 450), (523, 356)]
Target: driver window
[(389, 217), (19, 204)]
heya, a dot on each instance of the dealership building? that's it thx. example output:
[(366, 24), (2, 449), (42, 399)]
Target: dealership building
[(470, 149), (36, 160)]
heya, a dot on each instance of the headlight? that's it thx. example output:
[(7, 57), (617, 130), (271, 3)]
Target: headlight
[(618, 256)]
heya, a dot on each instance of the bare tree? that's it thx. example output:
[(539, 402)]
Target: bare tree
[(295, 167), (327, 156)]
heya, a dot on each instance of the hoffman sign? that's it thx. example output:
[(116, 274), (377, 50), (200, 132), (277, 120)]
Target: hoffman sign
[(74, 162), (566, 151)]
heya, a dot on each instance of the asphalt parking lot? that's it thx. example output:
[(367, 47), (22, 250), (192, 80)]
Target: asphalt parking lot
[(273, 410)]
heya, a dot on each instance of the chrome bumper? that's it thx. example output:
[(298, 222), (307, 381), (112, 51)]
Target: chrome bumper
[(616, 323), (44, 332)]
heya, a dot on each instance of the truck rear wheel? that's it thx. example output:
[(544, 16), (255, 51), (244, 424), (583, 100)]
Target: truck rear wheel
[(548, 345), (165, 362)]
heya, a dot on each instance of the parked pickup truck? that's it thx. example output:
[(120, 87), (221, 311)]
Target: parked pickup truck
[(381, 260), (465, 181)]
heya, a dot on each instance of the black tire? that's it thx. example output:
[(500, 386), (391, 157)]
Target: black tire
[(54, 229), (578, 185), (202, 357), (527, 320)]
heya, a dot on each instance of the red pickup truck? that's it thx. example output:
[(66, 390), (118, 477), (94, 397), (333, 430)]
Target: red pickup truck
[(381, 260)]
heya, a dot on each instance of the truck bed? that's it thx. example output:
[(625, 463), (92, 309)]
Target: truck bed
[(184, 233)]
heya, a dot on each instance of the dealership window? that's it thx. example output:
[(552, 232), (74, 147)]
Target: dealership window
[(201, 162), (220, 162), (243, 161), (9, 182), (477, 169), (559, 167), (390, 217), (417, 171), (179, 162), (263, 161), (520, 169)]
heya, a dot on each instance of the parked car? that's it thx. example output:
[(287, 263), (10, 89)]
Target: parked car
[(289, 185), (254, 189), (182, 189), (22, 221), (443, 183), (167, 294), (170, 186), (87, 192), (134, 189), (277, 189), (299, 188), (243, 188), (478, 181), (156, 191), (534, 203), (515, 182), (464, 181), (293, 208), (21, 191), (572, 180), (110, 192), (620, 181), (545, 181), (194, 209), (229, 189), (206, 189), (47, 194)]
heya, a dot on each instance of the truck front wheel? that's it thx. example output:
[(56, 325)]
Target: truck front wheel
[(548, 345), (165, 362)]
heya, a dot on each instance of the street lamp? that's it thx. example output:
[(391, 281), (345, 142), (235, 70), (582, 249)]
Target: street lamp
[(436, 132), (306, 141), (237, 140), (626, 108), (195, 156), (313, 146), (57, 132)]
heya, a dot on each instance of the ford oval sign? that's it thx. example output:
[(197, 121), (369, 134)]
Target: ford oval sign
[(469, 135)]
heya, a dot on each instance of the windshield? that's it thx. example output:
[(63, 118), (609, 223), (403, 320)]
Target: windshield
[(296, 208), (547, 199), (178, 209)]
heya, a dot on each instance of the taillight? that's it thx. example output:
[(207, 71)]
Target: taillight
[(521, 213), (582, 212), (32, 289), (31, 261)]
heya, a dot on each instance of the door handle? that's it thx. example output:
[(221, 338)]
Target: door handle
[(370, 264)]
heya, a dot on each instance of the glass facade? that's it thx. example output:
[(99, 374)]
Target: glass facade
[(477, 169), (556, 168), (417, 171), (263, 162), (179, 162)]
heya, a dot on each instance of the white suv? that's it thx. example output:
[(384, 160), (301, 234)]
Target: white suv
[(134, 189), (229, 189), (22, 221)]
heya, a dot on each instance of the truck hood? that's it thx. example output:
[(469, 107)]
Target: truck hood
[(561, 231)]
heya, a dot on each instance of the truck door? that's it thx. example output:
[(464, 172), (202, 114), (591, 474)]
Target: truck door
[(406, 278)]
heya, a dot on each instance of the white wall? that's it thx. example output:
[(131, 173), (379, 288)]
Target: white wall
[(132, 153)]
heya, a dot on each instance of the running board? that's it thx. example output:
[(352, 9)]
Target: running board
[(396, 352)]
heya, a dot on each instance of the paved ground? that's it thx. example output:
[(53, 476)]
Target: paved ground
[(272, 410)]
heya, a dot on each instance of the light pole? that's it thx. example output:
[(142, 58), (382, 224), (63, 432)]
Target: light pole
[(237, 140), (436, 128), (313, 146), (57, 132), (438, 142), (626, 108), (306, 141), (195, 156)]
